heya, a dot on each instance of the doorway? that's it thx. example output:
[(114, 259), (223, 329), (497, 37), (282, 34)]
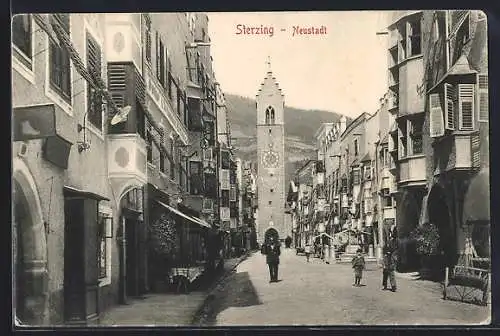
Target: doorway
[(439, 215), (131, 256), (30, 262)]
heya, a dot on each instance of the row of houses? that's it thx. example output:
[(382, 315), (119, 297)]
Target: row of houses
[(123, 167), (422, 157)]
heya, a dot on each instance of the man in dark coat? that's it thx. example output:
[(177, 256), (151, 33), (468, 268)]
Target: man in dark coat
[(272, 251), (389, 264)]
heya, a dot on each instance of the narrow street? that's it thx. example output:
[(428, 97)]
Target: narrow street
[(316, 293)]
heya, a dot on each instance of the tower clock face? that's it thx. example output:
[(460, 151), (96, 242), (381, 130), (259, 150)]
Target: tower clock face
[(270, 159)]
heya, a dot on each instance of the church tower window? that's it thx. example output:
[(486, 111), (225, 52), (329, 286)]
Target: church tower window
[(270, 116)]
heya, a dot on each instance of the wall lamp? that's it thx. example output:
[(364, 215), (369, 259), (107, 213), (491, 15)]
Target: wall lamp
[(83, 145)]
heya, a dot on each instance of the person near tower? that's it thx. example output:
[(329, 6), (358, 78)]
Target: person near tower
[(272, 251)]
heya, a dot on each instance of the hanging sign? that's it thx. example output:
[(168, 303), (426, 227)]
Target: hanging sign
[(34, 122)]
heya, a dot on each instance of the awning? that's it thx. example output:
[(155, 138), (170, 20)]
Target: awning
[(179, 213), (74, 192), (477, 198)]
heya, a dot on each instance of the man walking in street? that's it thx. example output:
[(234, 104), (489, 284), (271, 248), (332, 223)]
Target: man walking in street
[(272, 252), (389, 265)]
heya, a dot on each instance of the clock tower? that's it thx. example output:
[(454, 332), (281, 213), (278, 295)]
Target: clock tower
[(270, 158)]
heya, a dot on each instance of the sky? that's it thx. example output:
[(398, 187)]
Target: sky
[(343, 71)]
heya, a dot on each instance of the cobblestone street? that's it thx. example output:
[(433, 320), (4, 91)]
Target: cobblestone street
[(316, 293)]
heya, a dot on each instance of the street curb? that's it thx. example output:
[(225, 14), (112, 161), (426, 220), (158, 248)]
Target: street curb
[(211, 292)]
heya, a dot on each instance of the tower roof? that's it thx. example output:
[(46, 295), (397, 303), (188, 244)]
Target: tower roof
[(269, 83)]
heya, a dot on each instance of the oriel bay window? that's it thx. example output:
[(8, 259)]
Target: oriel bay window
[(59, 60), (453, 109), (94, 98), (195, 178), (22, 38)]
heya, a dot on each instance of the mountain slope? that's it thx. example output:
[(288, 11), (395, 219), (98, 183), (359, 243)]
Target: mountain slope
[(300, 126)]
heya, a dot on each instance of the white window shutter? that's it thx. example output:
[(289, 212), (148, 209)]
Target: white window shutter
[(466, 106), (449, 108), (483, 98), (436, 116)]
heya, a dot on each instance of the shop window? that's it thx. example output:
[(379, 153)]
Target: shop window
[(105, 222), (94, 98), (22, 38), (59, 61)]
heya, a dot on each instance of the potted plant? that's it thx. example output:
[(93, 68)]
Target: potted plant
[(162, 238), (426, 238)]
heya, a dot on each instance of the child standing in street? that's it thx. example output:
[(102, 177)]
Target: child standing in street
[(358, 264), (307, 251)]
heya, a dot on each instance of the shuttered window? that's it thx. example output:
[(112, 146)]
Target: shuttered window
[(466, 106), (436, 116), (59, 61), (483, 98), (21, 37), (449, 106), (94, 98)]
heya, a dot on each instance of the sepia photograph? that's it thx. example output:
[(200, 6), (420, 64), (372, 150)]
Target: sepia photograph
[(214, 169)]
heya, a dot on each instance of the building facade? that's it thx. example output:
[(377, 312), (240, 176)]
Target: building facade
[(456, 95), (406, 72), (138, 91), (271, 158)]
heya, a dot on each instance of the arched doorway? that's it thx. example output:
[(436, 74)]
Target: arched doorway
[(29, 249), (408, 213), (439, 215), (131, 243), (271, 232)]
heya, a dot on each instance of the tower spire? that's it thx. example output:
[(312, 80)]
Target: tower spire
[(268, 63)]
